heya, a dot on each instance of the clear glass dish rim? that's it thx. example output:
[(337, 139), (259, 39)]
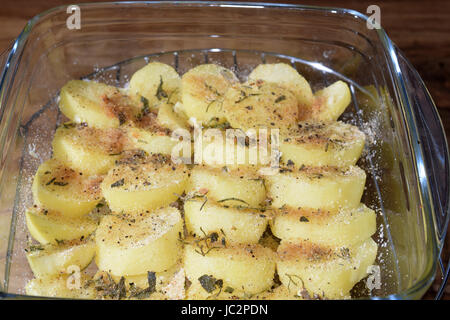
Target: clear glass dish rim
[(400, 85)]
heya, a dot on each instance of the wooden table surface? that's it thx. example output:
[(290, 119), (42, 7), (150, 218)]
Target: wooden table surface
[(420, 28)]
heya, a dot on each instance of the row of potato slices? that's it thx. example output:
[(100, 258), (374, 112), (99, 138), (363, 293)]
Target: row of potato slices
[(223, 203), (208, 93), (65, 144)]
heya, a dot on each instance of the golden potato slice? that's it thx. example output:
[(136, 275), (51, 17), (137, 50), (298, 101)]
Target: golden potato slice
[(247, 269), (327, 188), (135, 244), (136, 185), (51, 260), (241, 186), (259, 104), (89, 150), (168, 118), (230, 148), (60, 188), (326, 272), (286, 76), (97, 104), (146, 133), (234, 224), (62, 286), (322, 144), (159, 83), (48, 226), (203, 89), (151, 142), (329, 103), (346, 227)]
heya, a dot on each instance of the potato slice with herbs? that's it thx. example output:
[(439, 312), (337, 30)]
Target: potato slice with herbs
[(47, 226), (329, 103), (321, 271), (89, 150), (168, 118), (322, 144), (51, 259), (129, 244), (246, 269), (139, 183), (346, 227), (241, 186), (60, 188), (233, 224), (260, 105), (234, 149), (94, 103), (62, 286), (327, 188), (157, 82), (203, 89), (286, 76), (145, 133)]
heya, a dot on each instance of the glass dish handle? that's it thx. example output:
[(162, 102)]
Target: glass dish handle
[(433, 143), (436, 157)]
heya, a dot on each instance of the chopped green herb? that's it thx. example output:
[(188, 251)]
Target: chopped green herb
[(235, 199), (209, 283), (118, 183), (229, 290), (160, 93), (59, 183), (50, 182), (280, 98)]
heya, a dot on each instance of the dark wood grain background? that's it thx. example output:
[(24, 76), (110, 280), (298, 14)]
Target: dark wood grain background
[(420, 28)]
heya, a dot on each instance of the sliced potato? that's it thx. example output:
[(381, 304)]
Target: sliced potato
[(51, 259), (89, 150), (61, 286), (60, 188), (241, 186), (168, 118), (136, 185), (94, 103), (329, 103), (247, 269), (136, 244), (259, 104), (322, 144), (327, 272), (327, 188), (286, 76), (229, 148), (159, 83), (48, 226), (146, 133), (203, 89), (151, 142), (348, 226), (235, 224)]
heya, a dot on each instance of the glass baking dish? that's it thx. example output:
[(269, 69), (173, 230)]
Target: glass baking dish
[(406, 157)]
